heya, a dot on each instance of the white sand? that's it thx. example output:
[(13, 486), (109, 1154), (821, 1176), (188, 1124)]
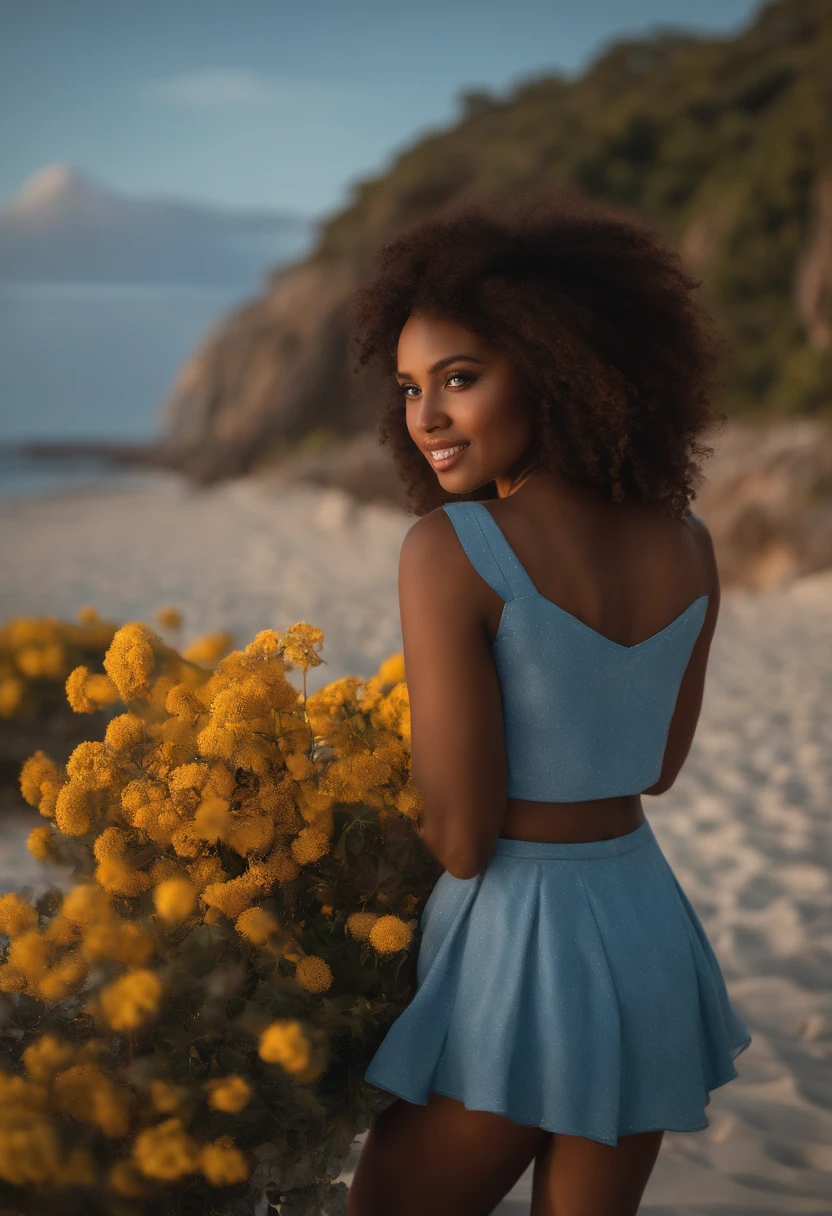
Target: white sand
[(747, 828)]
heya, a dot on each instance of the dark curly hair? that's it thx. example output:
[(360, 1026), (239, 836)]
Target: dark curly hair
[(614, 356)]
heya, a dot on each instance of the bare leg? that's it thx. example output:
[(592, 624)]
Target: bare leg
[(575, 1176), (440, 1159)]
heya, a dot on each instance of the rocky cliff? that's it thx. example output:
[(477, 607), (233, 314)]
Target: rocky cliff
[(723, 144)]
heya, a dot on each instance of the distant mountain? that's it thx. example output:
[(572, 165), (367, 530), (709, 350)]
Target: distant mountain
[(64, 226)]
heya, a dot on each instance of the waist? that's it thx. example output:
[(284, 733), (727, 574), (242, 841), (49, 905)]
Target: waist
[(571, 822), (575, 850)]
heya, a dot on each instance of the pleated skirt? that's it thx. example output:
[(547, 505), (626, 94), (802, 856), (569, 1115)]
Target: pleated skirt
[(570, 987)]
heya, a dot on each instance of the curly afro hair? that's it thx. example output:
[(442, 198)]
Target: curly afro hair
[(614, 355)]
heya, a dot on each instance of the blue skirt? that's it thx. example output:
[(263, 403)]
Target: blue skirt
[(570, 987)]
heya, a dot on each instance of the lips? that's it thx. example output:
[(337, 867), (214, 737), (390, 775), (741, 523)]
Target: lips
[(456, 451)]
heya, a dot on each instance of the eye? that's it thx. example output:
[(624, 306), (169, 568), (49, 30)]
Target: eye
[(465, 377)]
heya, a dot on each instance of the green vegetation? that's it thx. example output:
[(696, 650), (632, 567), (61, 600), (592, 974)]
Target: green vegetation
[(725, 145)]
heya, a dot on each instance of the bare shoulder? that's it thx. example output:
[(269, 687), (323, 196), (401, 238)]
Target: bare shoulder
[(430, 535), (430, 549), (701, 533), (433, 562), (704, 541)]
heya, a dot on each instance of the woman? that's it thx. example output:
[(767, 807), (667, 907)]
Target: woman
[(549, 377)]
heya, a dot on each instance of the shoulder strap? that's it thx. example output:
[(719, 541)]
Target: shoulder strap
[(488, 550)]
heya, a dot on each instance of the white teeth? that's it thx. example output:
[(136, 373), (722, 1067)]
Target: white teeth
[(447, 452)]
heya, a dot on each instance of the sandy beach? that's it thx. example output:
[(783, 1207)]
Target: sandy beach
[(747, 827)]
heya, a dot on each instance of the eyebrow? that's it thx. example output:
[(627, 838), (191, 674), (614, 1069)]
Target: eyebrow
[(440, 363)]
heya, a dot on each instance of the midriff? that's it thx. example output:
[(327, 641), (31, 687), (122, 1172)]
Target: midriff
[(570, 822)]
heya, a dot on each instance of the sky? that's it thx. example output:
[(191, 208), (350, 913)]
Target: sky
[(261, 104)]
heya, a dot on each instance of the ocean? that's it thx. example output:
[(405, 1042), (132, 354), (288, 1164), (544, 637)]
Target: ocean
[(92, 361)]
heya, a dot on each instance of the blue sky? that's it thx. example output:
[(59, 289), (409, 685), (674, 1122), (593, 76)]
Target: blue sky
[(266, 104)]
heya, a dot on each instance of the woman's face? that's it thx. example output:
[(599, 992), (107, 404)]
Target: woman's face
[(456, 390)]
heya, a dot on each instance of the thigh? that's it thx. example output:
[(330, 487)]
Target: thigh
[(439, 1158), (575, 1176)]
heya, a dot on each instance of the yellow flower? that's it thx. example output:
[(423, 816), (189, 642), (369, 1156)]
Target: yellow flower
[(279, 866), (301, 643), (186, 843), (11, 980), (242, 701), (165, 1097), (75, 809), (230, 1094), (64, 979), (118, 876), (120, 941), (124, 732), (360, 924), (130, 1000), (327, 909), (389, 934), (76, 1169), (28, 1149), (169, 618), (174, 899), (88, 615), (112, 842), (42, 662), (313, 974), (16, 915), (231, 898), (88, 691), (12, 692), (46, 1057), (265, 645), (39, 843), (256, 925), (309, 845), (408, 801), (391, 670), (18, 1093), (131, 659), (251, 834), (92, 766), (206, 870), (216, 742), (34, 772), (188, 777), (221, 781), (61, 931), (209, 648), (182, 702), (286, 1043), (166, 1151), (86, 1094), (30, 954), (124, 1180), (85, 904), (223, 1164), (212, 821)]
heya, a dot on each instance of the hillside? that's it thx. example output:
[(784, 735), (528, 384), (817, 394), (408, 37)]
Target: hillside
[(723, 144)]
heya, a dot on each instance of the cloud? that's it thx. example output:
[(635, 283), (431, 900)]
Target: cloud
[(230, 89)]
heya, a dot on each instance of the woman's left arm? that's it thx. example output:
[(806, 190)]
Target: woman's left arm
[(458, 754)]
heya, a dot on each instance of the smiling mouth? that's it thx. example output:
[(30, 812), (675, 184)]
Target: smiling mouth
[(442, 457)]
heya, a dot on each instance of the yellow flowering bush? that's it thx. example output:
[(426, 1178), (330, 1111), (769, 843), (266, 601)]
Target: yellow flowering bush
[(195, 1015)]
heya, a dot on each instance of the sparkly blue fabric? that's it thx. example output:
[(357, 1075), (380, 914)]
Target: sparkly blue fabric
[(583, 717), (569, 987)]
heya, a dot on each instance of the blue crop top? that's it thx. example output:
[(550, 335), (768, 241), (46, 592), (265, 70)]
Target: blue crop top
[(584, 717)]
